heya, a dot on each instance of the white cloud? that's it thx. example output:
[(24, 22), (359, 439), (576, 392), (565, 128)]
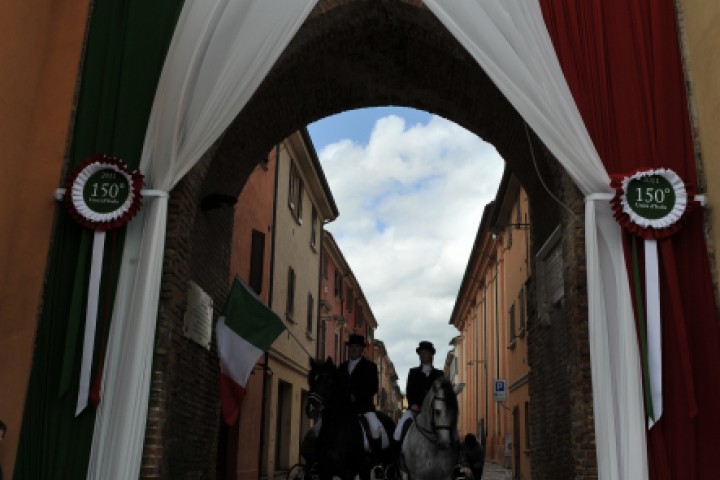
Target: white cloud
[(410, 203)]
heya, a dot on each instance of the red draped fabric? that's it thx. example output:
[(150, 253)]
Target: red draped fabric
[(621, 59)]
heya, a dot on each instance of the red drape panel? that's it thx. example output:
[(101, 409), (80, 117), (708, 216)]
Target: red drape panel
[(621, 59)]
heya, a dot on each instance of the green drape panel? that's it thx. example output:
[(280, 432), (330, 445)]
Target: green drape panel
[(126, 46)]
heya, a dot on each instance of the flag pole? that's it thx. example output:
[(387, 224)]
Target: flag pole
[(292, 335)]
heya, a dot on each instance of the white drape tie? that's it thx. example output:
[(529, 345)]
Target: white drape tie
[(60, 193)]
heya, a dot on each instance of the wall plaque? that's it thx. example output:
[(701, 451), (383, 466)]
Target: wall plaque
[(198, 316)]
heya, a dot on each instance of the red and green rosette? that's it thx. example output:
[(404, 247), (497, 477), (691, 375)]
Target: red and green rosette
[(651, 204), (102, 193)]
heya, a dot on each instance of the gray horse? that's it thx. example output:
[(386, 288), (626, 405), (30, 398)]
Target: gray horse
[(429, 451)]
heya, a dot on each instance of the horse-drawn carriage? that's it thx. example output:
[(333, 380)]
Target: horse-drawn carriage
[(428, 450)]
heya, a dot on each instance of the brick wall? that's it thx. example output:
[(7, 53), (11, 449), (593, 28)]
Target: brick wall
[(358, 53), (561, 415)]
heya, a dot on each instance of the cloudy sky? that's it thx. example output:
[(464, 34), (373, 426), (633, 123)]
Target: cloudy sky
[(410, 188)]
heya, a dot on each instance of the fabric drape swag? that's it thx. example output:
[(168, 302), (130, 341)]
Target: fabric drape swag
[(220, 52), (634, 105), (125, 49), (509, 40)]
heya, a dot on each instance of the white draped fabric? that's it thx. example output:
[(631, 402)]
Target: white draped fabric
[(219, 54), (509, 40)]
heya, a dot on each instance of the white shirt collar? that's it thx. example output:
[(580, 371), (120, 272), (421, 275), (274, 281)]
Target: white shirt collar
[(352, 364)]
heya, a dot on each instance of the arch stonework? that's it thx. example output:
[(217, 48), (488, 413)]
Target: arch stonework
[(353, 54)]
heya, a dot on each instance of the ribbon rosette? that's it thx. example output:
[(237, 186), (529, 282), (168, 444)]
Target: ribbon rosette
[(102, 193), (651, 204)]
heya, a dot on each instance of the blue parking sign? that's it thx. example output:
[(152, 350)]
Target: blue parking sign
[(500, 390)]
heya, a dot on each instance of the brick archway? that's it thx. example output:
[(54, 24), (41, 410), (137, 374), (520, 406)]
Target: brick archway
[(353, 54)]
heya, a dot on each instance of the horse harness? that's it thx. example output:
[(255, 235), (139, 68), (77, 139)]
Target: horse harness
[(315, 405), (429, 433)]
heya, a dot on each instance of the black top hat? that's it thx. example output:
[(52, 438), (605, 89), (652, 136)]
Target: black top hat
[(425, 345), (355, 339)]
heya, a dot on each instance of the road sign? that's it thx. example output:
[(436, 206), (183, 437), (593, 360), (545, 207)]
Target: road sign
[(500, 390)]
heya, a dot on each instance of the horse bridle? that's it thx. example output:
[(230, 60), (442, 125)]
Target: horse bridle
[(316, 404), (429, 433)]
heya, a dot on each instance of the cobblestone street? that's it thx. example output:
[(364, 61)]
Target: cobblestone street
[(493, 471)]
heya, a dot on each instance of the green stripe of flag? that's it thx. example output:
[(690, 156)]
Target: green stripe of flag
[(247, 315)]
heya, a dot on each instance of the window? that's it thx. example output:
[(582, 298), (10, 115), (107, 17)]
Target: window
[(290, 307), (511, 326), (295, 192), (257, 260), (349, 299), (324, 264), (550, 281), (313, 228), (310, 311), (338, 284), (292, 186), (299, 201), (528, 445), (521, 312), (359, 318)]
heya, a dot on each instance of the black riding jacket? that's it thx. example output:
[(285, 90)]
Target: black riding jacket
[(418, 384), (362, 384)]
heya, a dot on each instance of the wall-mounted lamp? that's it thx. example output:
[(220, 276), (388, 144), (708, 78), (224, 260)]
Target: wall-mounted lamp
[(214, 201), (498, 228), (261, 366)]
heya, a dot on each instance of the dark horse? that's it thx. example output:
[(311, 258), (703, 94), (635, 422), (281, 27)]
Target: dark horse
[(340, 446)]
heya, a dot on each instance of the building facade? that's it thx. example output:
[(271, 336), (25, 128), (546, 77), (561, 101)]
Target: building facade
[(389, 398), (303, 204), (490, 356), (344, 308)]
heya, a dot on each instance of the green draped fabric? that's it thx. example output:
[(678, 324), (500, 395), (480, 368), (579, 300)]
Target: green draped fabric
[(126, 46)]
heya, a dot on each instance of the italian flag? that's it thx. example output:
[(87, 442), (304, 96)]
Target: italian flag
[(245, 330)]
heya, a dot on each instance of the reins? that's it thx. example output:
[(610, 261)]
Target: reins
[(429, 433)]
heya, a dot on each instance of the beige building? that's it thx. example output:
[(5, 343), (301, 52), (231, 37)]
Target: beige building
[(490, 356), (303, 204), (389, 399)]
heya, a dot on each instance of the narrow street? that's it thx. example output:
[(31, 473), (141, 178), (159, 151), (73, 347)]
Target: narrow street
[(492, 471)]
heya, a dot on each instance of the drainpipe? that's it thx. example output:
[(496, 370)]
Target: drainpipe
[(497, 340), (477, 370), (485, 359), (266, 366)]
